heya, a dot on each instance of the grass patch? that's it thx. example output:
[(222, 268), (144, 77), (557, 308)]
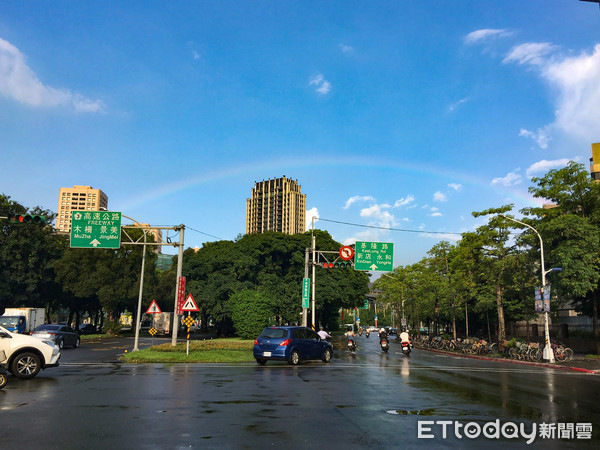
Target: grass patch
[(89, 337), (209, 351), (592, 356)]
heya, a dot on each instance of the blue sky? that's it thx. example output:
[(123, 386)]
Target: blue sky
[(394, 114)]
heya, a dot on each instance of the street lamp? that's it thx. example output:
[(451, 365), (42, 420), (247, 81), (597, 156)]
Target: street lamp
[(548, 353)]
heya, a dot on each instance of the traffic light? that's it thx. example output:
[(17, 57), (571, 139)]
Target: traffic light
[(338, 265), (26, 218)]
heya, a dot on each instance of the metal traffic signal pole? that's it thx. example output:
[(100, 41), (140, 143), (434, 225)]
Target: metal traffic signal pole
[(179, 270), (314, 275)]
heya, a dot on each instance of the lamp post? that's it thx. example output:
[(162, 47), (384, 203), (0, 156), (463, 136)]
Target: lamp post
[(548, 353)]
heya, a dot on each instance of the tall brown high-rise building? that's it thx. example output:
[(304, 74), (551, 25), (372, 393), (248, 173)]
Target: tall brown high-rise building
[(276, 205), (595, 162), (77, 198)]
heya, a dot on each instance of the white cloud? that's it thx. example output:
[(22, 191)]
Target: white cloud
[(511, 179), (436, 214), (540, 137), (313, 212), (578, 110), (455, 105), (543, 166), (405, 201), (481, 35), (530, 53), (455, 186), (346, 49), (575, 78), (322, 86), (440, 197), (358, 198), (20, 83)]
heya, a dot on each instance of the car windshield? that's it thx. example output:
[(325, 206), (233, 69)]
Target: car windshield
[(47, 328), (274, 333), (9, 321)]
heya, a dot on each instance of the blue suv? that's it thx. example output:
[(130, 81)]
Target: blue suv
[(291, 344)]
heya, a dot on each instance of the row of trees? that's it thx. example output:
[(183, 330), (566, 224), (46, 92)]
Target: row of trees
[(39, 269), (491, 273), (240, 285), (486, 278)]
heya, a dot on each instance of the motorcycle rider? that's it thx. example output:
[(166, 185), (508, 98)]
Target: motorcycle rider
[(350, 336), (323, 334), (382, 335), (404, 337)]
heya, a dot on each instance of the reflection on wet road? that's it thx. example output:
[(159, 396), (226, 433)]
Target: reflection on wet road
[(367, 399)]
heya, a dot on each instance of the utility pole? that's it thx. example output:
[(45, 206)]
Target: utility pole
[(181, 229)]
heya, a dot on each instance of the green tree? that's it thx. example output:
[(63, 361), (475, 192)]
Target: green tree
[(251, 311), (27, 251), (570, 230)]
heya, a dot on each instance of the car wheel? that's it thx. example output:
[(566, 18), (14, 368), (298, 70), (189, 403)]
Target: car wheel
[(294, 358), (261, 361), (61, 344), (26, 365), (76, 344), (327, 355), (3, 380)]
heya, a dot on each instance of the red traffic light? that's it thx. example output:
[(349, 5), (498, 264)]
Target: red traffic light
[(25, 218), (337, 265)]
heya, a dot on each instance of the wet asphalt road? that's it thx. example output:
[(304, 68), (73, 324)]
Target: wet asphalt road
[(365, 400)]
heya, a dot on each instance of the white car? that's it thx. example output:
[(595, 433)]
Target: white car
[(24, 355)]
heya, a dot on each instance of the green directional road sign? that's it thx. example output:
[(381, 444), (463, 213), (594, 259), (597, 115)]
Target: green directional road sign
[(305, 292), (374, 256), (96, 229)]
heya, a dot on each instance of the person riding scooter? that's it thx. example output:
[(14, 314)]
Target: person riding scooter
[(383, 340), (351, 338), (404, 337), (405, 342), (382, 335)]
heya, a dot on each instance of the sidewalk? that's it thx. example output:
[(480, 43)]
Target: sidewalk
[(579, 364)]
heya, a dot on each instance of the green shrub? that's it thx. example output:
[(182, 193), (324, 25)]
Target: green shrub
[(112, 327), (251, 311)]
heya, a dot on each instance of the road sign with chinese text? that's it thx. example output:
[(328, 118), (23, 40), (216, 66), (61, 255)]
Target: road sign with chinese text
[(374, 256), (96, 229), (180, 294), (305, 292)]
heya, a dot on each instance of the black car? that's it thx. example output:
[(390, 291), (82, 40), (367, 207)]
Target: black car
[(61, 334), (87, 328)]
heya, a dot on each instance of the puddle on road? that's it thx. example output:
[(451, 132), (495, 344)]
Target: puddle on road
[(416, 412)]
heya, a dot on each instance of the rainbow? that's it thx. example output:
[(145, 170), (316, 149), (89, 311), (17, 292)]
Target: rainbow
[(275, 166)]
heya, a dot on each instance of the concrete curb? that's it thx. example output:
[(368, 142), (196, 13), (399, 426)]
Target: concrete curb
[(512, 361)]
